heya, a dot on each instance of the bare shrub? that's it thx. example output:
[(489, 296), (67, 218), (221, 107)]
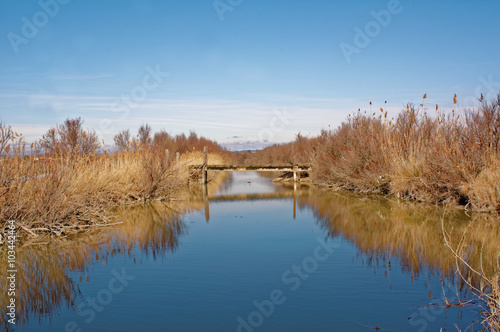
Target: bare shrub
[(70, 137), (144, 134), (123, 140), (6, 134), (73, 189)]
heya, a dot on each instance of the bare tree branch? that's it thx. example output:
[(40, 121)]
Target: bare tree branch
[(6, 134)]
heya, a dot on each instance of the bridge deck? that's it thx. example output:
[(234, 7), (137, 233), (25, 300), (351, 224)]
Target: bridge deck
[(269, 168)]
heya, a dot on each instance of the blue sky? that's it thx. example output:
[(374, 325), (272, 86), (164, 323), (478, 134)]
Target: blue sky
[(244, 73)]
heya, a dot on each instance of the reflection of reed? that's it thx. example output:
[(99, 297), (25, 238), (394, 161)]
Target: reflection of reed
[(382, 229), (154, 228), (43, 284)]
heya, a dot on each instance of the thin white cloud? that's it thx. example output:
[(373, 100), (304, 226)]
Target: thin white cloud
[(80, 76), (214, 118)]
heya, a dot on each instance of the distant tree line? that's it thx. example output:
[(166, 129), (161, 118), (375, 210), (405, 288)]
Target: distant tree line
[(163, 140), (300, 151), (70, 137)]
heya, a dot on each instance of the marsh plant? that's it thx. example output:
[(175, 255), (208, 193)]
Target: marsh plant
[(64, 184), (422, 154)]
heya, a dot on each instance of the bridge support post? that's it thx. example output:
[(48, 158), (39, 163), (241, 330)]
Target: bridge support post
[(204, 177), (294, 166), (294, 200), (205, 202)]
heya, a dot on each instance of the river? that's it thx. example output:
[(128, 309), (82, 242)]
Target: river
[(252, 255)]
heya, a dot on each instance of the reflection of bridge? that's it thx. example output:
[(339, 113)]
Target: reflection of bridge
[(251, 197), (295, 193)]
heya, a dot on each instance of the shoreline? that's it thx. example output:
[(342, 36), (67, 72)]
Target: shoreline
[(80, 191)]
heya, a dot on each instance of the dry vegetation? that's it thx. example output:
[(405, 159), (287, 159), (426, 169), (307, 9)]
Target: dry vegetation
[(72, 187), (487, 290), (422, 154), (440, 158), (44, 266), (413, 233)]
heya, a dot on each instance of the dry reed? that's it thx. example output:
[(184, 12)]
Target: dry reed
[(67, 193)]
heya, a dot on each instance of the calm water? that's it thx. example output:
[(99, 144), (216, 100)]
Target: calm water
[(252, 257)]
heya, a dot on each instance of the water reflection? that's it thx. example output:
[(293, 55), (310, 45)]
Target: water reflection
[(43, 265), (381, 230), (154, 228)]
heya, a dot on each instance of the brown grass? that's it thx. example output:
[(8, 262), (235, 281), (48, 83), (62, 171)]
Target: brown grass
[(439, 158), (64, 194)]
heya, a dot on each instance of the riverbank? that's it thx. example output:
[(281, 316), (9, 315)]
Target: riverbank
[(423, 154), (68, 194), (444, 158)]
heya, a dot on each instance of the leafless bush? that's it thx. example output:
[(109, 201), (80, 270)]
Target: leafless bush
[(70, 137), (144, 134), (72, 189), (123, 140), (6, 134)]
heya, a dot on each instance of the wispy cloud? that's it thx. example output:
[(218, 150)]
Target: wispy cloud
[(236, 123), (81, 76)]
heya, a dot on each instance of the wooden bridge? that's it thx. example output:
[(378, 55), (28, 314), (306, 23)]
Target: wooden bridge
[(204, 168)]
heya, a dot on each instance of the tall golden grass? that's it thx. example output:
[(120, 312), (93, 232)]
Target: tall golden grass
[(63, 194), (438, 158), (421, 154)]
